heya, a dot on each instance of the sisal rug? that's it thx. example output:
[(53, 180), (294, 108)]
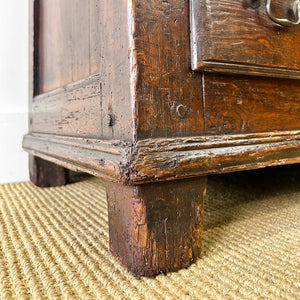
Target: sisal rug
[(54, 243)]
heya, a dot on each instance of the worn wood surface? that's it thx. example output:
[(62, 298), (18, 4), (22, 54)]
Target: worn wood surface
[(74, 42), (229, 36), (112, 93), (97, 157), (156, 228), (167, 159), (66, 48), (149, 91), (72, 110), (44, 173), (155, 164), (164, 78), (237, 104)]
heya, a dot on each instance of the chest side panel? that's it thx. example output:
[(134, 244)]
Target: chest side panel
[(81, 63)]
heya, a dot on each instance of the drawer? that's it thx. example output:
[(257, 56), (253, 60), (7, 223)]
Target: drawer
[(247, 104), (229, 36)]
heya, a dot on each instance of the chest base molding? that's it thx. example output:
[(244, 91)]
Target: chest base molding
[(153, 160)]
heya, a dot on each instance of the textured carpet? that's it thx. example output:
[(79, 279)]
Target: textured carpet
[(54, 243)]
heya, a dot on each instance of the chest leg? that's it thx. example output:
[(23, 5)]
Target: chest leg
[(156, 227)]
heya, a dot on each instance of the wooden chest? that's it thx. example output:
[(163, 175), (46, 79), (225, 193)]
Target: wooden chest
[(154, 95)]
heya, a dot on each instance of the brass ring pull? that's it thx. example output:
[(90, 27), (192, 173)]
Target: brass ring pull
[(284, 22)]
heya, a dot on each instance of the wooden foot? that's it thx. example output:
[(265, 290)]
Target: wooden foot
[(45, 174), (156, 227)]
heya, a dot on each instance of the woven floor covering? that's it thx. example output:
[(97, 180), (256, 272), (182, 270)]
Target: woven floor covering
[(54, 243)]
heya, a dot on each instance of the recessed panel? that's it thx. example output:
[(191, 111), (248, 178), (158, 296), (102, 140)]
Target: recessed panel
[(67, 42)]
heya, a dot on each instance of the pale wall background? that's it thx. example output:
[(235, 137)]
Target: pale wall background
[(13, 89)]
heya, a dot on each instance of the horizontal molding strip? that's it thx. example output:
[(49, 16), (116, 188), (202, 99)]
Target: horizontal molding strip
[(97, 157), (70, 87), (244, 69), (167, 158)]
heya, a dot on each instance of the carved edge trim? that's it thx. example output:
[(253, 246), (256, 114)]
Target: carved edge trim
[(97, 157), (244, 69), (167, 158)]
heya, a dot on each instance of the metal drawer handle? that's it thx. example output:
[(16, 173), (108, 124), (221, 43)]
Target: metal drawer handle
[(284, 22)]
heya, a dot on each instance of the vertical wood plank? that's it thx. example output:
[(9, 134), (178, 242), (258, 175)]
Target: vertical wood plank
[(55, 47), (64, 46), (115, 69), (95, 36), (168, 94), (80, 38)]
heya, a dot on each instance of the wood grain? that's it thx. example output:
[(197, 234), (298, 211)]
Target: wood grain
[(157, 164), (158, 227), (65, 42), (229, 36), (112, 93), (95, 38), (72, 110), (146, 88), (116, 66), (44, 173), (250, 104), (73, 42), (152, 160), (164, 78), (55, 45), (97, 157)]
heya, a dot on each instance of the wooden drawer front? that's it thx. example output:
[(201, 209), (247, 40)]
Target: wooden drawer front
[(248, 104), (229, 36)]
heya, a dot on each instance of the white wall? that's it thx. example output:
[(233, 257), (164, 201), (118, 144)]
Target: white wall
[(13, 89)]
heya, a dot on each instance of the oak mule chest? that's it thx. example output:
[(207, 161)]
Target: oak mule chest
[(153, 96)]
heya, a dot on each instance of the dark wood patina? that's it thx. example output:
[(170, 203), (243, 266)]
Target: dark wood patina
[(153, 96)]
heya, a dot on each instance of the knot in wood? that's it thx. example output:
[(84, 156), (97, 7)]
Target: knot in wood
[(253, 3)]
